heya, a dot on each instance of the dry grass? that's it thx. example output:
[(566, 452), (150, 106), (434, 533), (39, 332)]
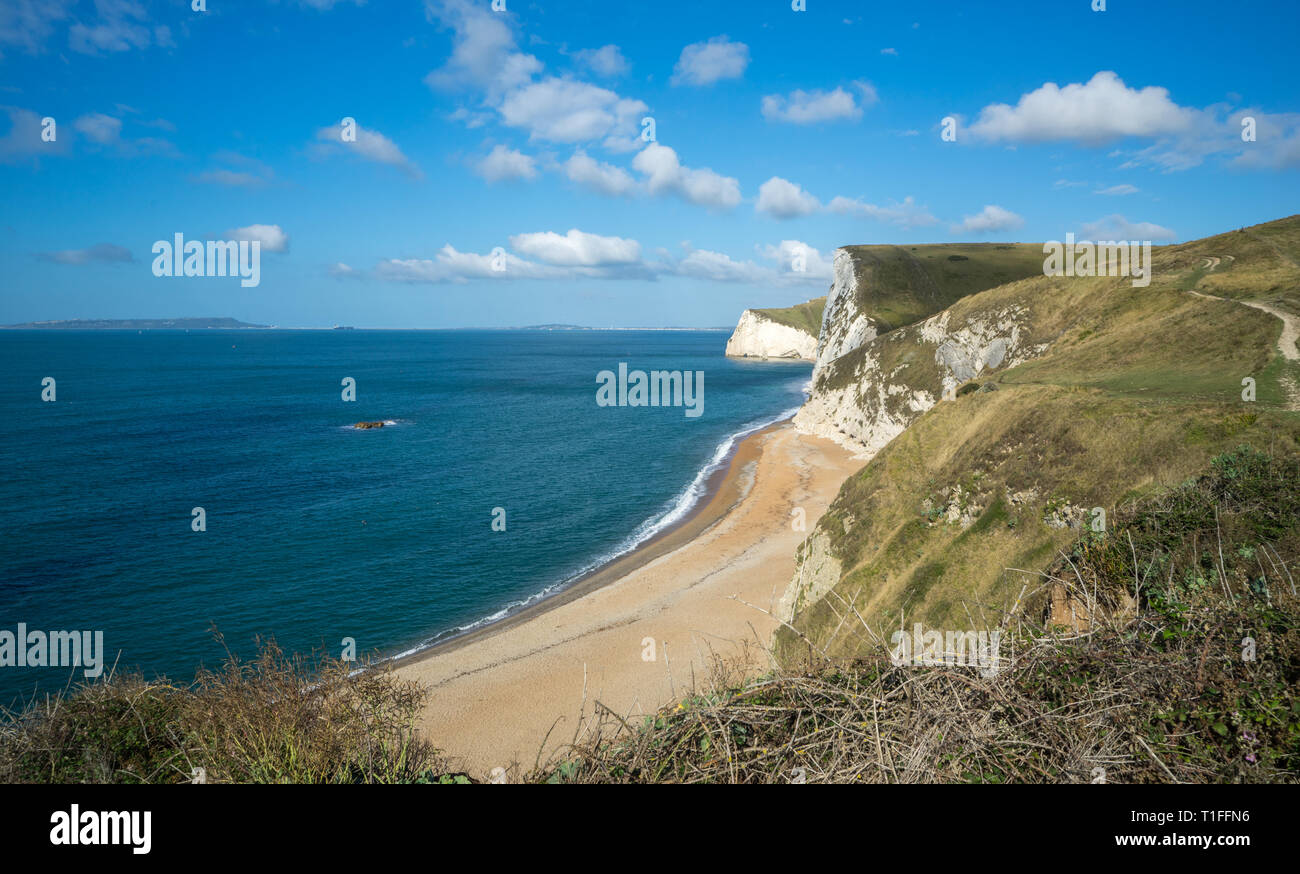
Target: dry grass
[(1097, 707), (1149, 682), (274, 719)]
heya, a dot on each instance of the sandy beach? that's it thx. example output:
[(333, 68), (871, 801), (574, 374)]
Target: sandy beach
[(496, 694)]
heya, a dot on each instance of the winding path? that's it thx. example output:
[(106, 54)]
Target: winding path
[(1287, 343)]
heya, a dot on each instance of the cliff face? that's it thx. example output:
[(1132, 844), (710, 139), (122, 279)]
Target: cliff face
[(865, 398), (889, 350), (1102, 392), (845, 326), (759, 336)]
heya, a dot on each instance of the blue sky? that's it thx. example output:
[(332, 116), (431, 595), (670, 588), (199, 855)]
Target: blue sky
[(776, 132)]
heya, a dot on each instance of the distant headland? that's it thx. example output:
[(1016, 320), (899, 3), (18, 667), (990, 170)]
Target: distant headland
[(193, 324), (130, 325)]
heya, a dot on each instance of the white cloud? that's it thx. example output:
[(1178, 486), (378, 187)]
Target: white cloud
[(325, 5), (569, 111), (105, 130), (989, 220), (121, 27), (579, 255), (783, 199), (503, 163), (1277, 140), (252, 172), (791, 254), (906, 214), (577, 249), (369, 144), (1116, 227), (1118, 190), (704, 63), (484, 54), (272, 237), (485, 58), (893, 52), (472, 119), (811, 107), (597, 175), (1218, 131), (604, 61), (1098, 111), (1104, 109), (718, 267), (28, 23), (339, 270), (665, 174), (450, 265), (24, 137), (100, 128), (232, 178), (105, 252)]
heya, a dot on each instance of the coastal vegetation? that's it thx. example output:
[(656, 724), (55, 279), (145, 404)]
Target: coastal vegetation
[(1107, 393), (275, 718), (899, 285), (806, 317), (1179, 662)]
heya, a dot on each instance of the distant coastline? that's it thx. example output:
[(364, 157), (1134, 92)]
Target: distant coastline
[(229, 324), (187, 324)]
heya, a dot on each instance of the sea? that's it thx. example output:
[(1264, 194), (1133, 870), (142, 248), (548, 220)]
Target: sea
[(162, 485)]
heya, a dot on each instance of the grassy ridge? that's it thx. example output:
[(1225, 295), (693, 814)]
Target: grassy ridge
[(1137, 389), (899, 285), (1158, 685), (806, 317)]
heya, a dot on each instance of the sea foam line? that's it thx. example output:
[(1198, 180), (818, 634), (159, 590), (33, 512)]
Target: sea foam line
[(676, 509)]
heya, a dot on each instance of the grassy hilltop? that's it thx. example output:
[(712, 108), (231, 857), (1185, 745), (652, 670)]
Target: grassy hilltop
[(1138, 389), (806, 317), (899, 285)]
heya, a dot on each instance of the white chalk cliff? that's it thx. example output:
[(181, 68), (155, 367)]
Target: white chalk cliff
[(757, 336), (864, 390), (870, 384), (862, 400), (844, 327)]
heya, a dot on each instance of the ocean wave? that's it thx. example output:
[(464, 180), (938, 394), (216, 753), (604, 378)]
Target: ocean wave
[(674, 511)]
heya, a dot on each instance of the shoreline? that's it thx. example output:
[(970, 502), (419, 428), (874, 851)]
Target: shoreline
[(722, 491), (642, 629), (704, 508)]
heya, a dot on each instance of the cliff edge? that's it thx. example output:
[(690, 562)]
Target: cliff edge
[(789, 333)]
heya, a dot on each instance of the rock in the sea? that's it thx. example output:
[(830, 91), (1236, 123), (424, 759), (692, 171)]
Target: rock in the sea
[(362, 426)]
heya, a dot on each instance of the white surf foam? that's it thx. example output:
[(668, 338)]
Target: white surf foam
[(674, 511)]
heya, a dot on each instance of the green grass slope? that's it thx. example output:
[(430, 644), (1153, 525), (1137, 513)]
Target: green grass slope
[(1137, 389), (899, 285), (806, 317), (1160, 691)]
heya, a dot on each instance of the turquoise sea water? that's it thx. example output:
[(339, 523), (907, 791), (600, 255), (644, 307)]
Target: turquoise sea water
[(317, 531)]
